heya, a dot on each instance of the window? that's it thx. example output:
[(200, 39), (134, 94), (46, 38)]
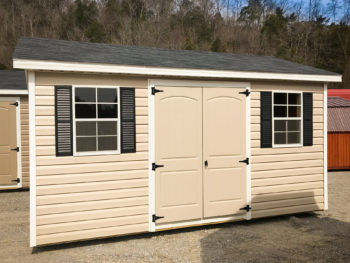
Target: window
[(287, 119), (96, 120)]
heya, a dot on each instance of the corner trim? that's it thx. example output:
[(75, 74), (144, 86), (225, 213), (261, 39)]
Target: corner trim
[(32, 158), (325, 149), (28, 64)]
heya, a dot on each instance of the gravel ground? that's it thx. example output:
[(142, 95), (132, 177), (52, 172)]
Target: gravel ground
[(322, 237)]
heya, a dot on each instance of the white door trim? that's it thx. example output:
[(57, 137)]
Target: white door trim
[(325, 150), (18, 139), (151, 121), (32, 158)]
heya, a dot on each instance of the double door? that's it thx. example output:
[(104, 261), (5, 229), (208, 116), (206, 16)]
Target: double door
[(200, 139)]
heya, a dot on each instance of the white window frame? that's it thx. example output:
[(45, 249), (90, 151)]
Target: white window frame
[(287, 118), (118, 119)]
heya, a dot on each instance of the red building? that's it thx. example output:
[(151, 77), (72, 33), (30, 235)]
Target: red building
[(343, 93)]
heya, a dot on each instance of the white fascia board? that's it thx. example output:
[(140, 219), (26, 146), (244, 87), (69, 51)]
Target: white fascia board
[(13, 92), (161, 71)]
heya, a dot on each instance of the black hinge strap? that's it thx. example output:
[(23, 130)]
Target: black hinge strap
[(16, 104), (155, 166), (247, 208), (155, 218), (154, 90), (245, 161), (17, 180), (15, 149), (246, 92)]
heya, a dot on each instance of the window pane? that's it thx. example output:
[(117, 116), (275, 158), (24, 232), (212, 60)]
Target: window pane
[(293, 125), (85, 128), (280, 138), (280, 98), (294, 111), (107, 95), (280, 125), (85, 111), (107, 143), (293, 137), (294, 98), (107, 128), (280, 111), (107, 111), (85, 95), (86, 144)]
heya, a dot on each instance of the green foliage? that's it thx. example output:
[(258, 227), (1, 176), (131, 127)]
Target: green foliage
[(217, 46), (188, 45)]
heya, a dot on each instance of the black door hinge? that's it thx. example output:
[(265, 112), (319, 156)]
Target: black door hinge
[(246, 92), (17, 180), (15, 149), (154, 90), (246, 208), (155, 218), (155, 166), (16, 104), (206, 163), (245, 161)]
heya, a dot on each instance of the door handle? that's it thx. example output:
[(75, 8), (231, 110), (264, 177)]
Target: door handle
[(206, 163)]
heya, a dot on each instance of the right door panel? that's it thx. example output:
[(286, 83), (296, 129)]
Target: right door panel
[(224, 146)]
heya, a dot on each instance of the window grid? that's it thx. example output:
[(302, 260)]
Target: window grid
[(287, 131), (96, 120)]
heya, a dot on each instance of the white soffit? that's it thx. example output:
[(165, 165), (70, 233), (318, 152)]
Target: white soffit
[(162, 71)]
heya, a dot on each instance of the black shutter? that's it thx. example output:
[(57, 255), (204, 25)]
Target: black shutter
[(307, 119), (127, 113), (266, 119), (63, 120)]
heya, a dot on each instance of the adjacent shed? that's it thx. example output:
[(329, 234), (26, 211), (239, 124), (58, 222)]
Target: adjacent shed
[(126, 140), (14, 130), (342, 93), (338, 133)]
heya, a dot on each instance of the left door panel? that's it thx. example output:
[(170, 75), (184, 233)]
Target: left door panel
[(178, 146), (8, 141)]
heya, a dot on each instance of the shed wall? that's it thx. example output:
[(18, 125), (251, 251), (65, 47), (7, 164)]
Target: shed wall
[(89, 196), (338, 150), (286, 180), (97, 196)]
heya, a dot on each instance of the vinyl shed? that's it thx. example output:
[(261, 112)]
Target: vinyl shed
[(14, 130), (126, 140)]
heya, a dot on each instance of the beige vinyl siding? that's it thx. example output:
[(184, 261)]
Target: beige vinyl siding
[(286, 180), (89, 197), (25, 141)]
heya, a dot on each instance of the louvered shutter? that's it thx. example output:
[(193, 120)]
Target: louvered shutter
[(63, 121), (307, 119), (266, 119), (127, 112)]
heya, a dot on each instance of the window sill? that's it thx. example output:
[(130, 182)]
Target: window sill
[(287, 146), (80, 154)]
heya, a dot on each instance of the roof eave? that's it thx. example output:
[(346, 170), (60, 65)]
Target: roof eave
[(34, 65)]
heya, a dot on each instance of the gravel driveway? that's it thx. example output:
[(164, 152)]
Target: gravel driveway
[(323, 237)]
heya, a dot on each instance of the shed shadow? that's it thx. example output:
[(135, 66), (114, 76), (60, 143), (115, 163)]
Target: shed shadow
[(303, 237)]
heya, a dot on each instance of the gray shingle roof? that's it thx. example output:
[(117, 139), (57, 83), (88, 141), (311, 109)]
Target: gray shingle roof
[(12, 80), (73, 51)]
